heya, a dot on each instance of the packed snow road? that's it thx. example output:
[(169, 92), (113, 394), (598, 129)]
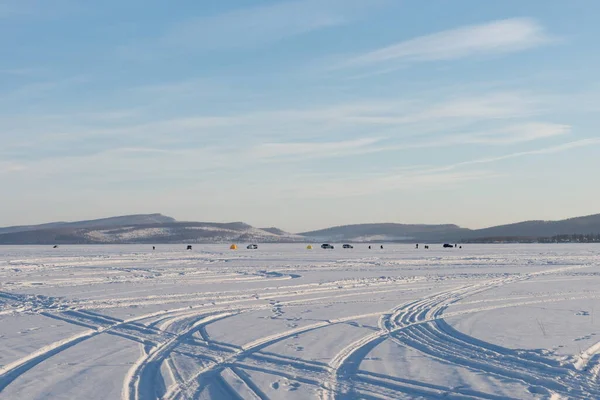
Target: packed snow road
[(284, 322)]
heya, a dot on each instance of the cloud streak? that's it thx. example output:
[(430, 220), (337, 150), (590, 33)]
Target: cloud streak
[(293, 151), (423, 178), (525, 132), (10, 167), (254, 26), (546, 150), (348, 120), (308, 149), (409, 181), (497, 37)]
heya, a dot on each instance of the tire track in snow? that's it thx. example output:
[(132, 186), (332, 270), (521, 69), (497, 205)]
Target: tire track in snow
[(417, 338), (584, 358), (193, 385), (420, 388), (12, 371), (139, 382), (402, 319), (421, 311), (241, 386)]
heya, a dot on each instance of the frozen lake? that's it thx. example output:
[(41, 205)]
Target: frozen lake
[(284, 322)]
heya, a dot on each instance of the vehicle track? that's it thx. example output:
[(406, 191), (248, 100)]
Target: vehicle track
[(139, 382), (193, 385), (419, 324)]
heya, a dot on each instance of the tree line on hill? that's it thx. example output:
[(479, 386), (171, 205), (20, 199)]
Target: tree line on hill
[(565, 238)]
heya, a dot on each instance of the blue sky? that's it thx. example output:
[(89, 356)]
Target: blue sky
[(300, 114)]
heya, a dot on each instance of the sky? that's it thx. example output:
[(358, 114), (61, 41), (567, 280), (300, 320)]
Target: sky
[(300, 114)]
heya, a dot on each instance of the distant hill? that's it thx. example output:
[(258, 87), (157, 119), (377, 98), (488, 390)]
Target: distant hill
[(137, 219), (146, 228), (525, 231), (157, 228), (536, 229), (276, 231), (386, 232)]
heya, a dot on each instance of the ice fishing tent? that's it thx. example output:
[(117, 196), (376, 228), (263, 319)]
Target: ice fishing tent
[(233, 247), (309, 247)]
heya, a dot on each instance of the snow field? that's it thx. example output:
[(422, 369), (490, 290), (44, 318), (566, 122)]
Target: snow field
[(283, 322)]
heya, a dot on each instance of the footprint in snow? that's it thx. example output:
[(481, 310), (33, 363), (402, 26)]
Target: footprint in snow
[(538, 390)]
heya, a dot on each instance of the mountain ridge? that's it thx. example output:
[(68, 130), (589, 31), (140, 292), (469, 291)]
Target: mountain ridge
[(133, 219), (158, 228)]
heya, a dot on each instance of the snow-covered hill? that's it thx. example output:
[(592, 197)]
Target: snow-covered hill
[(188, 232), (153, 228), (157, 228)]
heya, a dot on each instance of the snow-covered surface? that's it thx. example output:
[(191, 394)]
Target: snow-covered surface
[(380, 238), (126, 234), (284, 322), (208, 233)]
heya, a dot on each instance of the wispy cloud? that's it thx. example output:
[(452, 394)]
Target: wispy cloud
[(541, 151), (514, 134), (312, 149), (319, 131), (504, 36), (546, 150), (361, 186), (9, 167), (249, 27), (423, 178), (40, 88), (508, 135)]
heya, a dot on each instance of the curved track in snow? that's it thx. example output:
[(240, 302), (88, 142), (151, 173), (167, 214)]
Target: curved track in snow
[(420, 325), (180, 360)]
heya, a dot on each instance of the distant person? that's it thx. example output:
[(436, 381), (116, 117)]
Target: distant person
[(189, 247), (369, 247), (382, 247), (153, 248), (417, 245)]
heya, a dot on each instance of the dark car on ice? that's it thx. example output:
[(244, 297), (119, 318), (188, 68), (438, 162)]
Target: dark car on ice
[(348, 246), (326, 246)]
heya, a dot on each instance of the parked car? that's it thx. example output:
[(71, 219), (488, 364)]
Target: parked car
[(326, 246), (348, 246), (446, 245), (252, 247)]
